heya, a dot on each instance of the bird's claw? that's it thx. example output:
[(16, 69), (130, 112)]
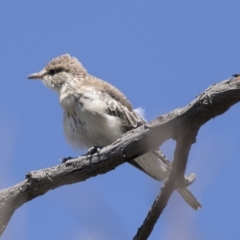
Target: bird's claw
[(94, 149), (63, 160)]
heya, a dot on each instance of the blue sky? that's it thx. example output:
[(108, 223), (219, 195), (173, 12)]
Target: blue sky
[(161, 54)]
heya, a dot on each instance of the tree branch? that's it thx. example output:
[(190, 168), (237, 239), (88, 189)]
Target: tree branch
[(214, 101), (175, 180)]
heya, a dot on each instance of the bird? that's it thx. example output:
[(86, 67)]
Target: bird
[(95, 113)]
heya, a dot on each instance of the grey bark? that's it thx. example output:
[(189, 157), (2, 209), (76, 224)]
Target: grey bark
[(181, 124)]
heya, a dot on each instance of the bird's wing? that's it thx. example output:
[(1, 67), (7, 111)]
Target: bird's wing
[(129, 119), (117, 104)]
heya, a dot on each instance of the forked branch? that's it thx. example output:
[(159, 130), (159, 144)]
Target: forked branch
[(181, 122), (175, 180)]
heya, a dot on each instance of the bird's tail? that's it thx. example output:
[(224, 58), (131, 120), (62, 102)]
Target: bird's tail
[(189, 198), (157, 166)]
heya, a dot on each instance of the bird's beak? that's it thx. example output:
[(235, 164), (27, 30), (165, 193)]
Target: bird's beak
[(38, 75)]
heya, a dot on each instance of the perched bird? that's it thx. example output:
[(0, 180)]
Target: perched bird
[(96, 114)]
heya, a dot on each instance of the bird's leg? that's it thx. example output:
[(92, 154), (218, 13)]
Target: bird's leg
[(94, 149), (90, 151)]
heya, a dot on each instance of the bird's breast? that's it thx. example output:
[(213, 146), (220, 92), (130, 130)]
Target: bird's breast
[(86, 122)]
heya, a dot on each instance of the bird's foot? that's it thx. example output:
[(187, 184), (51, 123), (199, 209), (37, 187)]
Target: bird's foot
[(63, 160), (90, 151), (94, 149)]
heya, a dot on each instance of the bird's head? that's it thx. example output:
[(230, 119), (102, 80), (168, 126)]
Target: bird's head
[(60, 71)]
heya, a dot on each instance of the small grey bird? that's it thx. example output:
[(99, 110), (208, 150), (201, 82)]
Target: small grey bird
[(97, 114)]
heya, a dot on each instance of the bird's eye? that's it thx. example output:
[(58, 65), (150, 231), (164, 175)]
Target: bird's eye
[(52, 71)]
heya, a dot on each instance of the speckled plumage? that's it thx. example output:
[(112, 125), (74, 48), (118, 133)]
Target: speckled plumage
[(68, 64), (96, 114)]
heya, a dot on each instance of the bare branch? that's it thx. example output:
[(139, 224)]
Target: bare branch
[(175, 180), (214, 101)]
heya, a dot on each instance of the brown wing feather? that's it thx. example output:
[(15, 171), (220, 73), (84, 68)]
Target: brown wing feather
[(128, 118), (112, 91), (117, 104)]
